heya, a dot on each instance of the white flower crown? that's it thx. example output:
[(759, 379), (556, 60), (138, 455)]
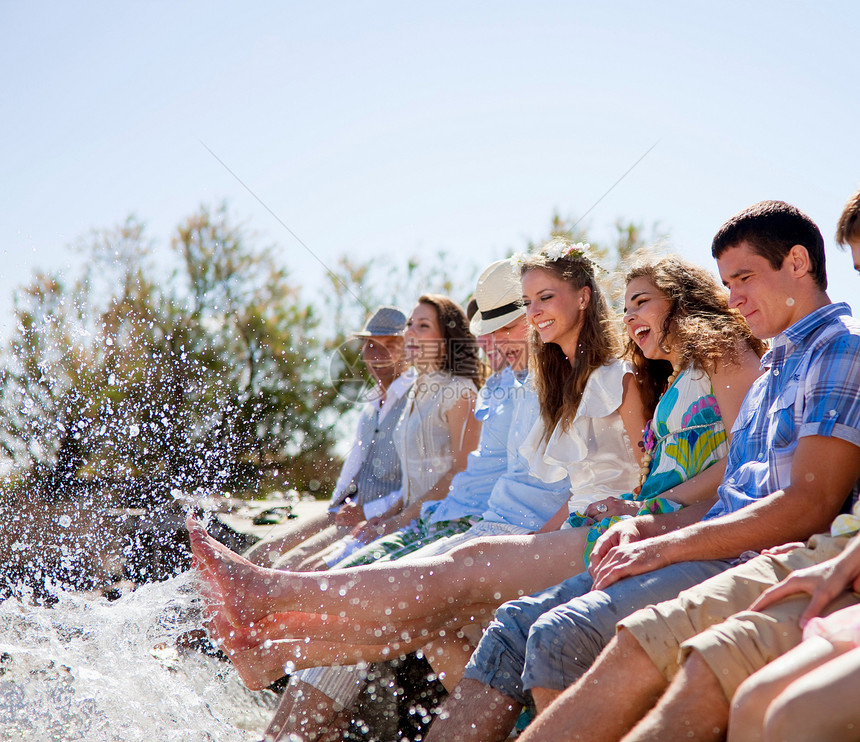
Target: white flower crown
[(560, 248)]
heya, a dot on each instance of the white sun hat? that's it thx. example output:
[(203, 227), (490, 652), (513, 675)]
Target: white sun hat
[(500, 298)]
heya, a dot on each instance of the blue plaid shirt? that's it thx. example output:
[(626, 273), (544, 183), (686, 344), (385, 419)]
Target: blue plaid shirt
[(812, 387)]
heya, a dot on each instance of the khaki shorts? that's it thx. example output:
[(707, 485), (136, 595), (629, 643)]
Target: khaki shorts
[(711, 618)]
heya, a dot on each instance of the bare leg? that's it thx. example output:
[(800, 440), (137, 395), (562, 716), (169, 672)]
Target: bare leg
[(448, 655), (279, 720), (327, 628), (307, 713), (757, 693), (694, 702), (299, 556), (475, 712), (490, 570), (263, 664), (543, 697), (822, 704), (623, 682), (318, 560), (267, 551)]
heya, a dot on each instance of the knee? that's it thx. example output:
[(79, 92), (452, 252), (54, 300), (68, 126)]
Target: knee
[(751, 702), (796, 713), (786, 718), (626, 647), (554, 636)]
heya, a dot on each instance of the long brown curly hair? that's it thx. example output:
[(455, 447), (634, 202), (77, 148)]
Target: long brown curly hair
[(560, 381), (699, 323), (461, 356)]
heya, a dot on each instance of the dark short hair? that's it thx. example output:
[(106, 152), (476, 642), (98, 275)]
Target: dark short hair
[(848, 228), (772, 228)]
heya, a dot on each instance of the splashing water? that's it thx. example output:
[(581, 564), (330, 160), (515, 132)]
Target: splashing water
[(89, 669)]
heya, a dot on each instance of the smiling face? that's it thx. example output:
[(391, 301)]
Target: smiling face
[(645, 312), (770, 300), (495, 358), (425, 346), (555, 308), (511, 343), (383, 355)]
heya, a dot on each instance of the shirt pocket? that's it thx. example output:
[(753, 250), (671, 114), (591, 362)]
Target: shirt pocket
[(782, 426), (748, 410)]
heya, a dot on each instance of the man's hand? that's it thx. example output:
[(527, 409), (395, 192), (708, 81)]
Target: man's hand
[(349, 515), (823, 582), (783, 548), (623, 532), (630, 559), (625, 550)]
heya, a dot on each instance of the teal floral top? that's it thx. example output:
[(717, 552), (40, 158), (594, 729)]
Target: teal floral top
[(686, 436)]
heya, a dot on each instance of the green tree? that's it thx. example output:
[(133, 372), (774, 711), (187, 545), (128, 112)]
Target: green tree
[(200, 378)]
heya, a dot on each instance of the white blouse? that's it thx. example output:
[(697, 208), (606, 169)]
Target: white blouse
[(422, 437), (595, 449)]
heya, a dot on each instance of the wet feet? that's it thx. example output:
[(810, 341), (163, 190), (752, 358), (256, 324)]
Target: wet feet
[(233, 586)]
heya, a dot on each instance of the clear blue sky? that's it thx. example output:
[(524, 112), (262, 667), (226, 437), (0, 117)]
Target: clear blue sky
[(388, 128)]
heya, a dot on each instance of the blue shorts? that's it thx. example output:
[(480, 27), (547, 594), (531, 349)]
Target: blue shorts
[(550, 639)]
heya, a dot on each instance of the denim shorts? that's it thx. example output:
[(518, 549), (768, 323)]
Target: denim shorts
[(550, 639)]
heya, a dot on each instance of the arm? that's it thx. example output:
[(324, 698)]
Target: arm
[(632, 414), (633, 418), (731, 382), (464, 431), (823, 472), (349, 514), (700, 488), (824, 582), (557, 520), (644, 527)]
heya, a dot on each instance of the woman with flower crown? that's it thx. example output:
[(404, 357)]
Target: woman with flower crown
[(683, 338)]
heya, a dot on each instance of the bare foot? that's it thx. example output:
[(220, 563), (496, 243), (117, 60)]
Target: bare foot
[(262, 665), (237, 588)]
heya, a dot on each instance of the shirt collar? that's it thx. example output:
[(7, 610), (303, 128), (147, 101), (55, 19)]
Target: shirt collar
[(396, 389), (793, 336)]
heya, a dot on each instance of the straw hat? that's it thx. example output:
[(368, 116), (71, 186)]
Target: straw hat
[(499, 295), (384, 321)]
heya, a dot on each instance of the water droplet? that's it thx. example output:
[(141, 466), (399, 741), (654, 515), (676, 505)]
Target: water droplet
[(789, 301), (65, 521)]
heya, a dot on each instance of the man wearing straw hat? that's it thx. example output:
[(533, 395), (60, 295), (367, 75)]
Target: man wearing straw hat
[(494, 472)]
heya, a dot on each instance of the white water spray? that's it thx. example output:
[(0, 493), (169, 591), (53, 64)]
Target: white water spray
[(89, 669)]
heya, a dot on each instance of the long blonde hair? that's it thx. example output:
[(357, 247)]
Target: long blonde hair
[(560, 381)]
